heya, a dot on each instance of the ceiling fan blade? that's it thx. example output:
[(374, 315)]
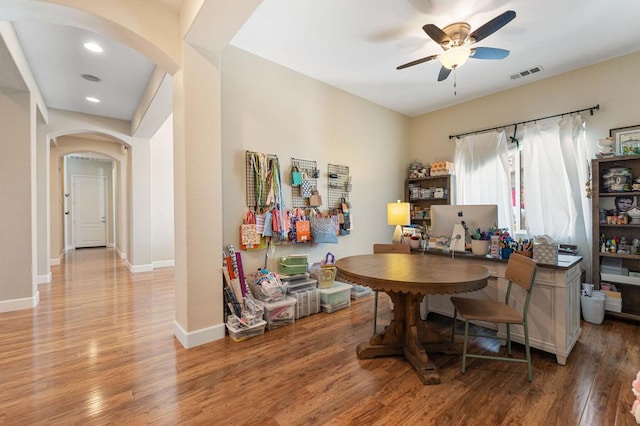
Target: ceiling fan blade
[(492, 26), (444, 73), (488, 53), (416, 62), (436, 34)]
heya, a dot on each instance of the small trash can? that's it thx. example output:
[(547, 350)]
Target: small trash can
[(593, 307)]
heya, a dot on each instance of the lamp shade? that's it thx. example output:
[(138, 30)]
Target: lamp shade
[(398, 213), (455, 57)]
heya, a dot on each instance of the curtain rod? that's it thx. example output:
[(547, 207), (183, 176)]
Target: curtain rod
[(475, 132)]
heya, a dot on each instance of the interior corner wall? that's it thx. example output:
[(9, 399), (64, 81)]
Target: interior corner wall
[(611, 84), (162, 195), (17, 196), (270, 109), (42, 179)]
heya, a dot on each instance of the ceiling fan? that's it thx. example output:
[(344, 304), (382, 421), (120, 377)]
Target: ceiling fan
[(456, 39)]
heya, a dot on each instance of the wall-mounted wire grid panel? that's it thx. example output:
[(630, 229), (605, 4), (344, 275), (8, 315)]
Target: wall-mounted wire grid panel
[(257, 184), (310, 172), (339, 185)]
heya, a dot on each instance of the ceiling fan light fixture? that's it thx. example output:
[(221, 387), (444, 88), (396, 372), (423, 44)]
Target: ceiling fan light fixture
[(93, 47), (455, 57)]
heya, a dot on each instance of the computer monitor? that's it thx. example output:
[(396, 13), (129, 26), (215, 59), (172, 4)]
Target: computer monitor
[(445, 217)]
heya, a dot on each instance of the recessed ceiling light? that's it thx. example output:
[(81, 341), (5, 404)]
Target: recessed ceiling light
[(91, 77), (92, 99), (94, 47)]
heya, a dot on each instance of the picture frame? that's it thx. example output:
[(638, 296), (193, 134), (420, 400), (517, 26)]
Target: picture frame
[(626, 140)]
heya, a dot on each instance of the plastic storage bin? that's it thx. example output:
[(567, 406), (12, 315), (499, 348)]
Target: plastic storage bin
[(280, 313), (307, 301), (593, 307), (292, 269), (239, 332), (336, 297), (302, 283), (613, 302), (358, 291)]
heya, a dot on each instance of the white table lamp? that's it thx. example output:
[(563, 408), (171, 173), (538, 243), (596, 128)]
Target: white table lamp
[(398, 214)]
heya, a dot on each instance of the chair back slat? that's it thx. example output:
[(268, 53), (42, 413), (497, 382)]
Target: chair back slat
[(521, 270), (391, 248)]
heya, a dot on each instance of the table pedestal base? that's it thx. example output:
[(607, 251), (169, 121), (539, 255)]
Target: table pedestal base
[(407, 335)]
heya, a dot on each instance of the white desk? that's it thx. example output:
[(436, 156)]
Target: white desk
[(554, 309)]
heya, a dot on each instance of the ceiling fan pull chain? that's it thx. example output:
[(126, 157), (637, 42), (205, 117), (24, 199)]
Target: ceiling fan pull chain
[(455, 82)]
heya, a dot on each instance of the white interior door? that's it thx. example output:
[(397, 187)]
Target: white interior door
[(89, 211)]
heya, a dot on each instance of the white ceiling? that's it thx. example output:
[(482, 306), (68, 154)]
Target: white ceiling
[(356, 46), (58, 60)]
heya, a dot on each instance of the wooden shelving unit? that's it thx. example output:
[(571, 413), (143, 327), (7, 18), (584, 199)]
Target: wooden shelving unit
[(417, 193), (605, 200)]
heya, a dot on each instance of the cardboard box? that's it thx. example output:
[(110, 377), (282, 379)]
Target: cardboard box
[(441, 168), (545, 253), (612, 294)]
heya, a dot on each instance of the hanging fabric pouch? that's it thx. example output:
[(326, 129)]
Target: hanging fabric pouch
[(303, 230), (268, 224), (305, 188), (323, 230), (296, 177), (336, 223), (249, 237), (260, 223)]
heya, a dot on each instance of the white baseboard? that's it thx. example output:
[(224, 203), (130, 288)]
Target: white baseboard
[(199, 337), (44, 279), (134, 269), (110, 245), (122, 255), (57, 261), (163, 263), (19, 304)]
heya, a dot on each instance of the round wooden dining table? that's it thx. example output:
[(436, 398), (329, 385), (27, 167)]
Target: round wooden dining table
[(407, 278)]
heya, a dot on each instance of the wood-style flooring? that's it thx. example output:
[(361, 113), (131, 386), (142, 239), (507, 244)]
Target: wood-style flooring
[(99, 349)]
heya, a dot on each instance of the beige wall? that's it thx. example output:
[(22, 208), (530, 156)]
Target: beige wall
[(612, 84), (268, 108), (162, 195), (16, 226)]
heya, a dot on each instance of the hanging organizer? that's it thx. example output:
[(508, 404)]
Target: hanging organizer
[(310, 169), (257, 181), (339, 185)]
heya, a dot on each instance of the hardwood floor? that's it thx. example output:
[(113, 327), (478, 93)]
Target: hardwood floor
[(99, 349)]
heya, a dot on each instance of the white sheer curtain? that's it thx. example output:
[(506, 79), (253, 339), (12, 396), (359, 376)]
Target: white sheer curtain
[(555, 174), (482, 173)]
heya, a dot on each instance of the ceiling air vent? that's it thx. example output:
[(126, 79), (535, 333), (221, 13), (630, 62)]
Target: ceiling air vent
[(525, 73)]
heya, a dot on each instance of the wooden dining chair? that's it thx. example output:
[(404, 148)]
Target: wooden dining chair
[(385, 248), (521, 270)]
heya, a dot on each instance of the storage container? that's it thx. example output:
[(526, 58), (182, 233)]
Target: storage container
[(307, 301), (281, 313), (613, 302), (294, 259), (593, 307), (358, 291), (336, 297), (283, 268), (239, 331), (545, 252), (304, 283)]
